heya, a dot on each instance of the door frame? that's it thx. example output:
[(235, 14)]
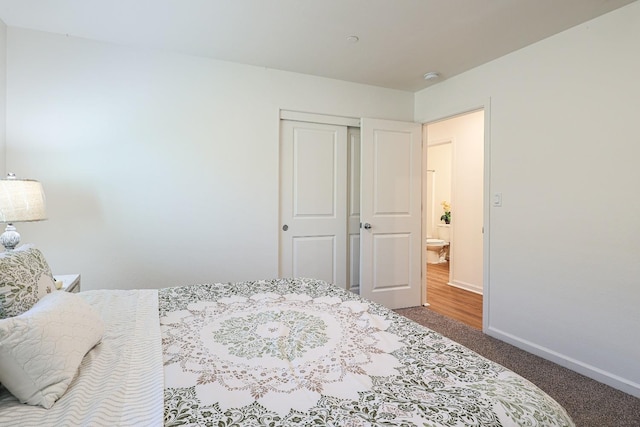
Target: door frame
[(349, 124), (486, 205)]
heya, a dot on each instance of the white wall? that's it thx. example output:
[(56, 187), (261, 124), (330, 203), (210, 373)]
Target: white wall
[(467, 135), (439, 161), (564, 277), (159, 169)]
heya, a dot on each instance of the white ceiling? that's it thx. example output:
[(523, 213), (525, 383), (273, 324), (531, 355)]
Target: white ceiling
[(400, 40)]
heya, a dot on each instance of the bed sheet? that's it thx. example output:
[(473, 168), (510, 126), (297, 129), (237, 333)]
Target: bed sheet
[(304, 352)]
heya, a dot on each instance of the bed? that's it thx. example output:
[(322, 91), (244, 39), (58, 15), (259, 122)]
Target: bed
[(274, 353)]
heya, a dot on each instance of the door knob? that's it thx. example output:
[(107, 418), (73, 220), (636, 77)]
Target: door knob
[(367, 226)]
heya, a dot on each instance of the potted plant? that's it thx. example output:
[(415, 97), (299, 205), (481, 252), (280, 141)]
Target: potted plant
[(446, 217)]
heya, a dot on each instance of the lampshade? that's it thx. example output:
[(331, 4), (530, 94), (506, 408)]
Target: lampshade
[(21, 200)]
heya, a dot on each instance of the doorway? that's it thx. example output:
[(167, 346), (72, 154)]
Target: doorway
[(454, 187)]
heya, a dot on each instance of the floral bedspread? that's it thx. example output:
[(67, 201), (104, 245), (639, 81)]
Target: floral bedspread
[(302, 352)]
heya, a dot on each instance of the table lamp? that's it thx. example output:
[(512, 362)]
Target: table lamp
[(21, 200)]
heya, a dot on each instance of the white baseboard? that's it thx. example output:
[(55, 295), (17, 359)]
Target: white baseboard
[(466, 286), (585, 369)]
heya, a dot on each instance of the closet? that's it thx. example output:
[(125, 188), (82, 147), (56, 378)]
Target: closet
[(350, 204)]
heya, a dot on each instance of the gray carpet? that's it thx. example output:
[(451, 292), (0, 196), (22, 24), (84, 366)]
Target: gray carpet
[(588, 402)]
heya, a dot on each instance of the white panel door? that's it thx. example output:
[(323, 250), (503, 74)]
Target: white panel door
[(390, 212), (313, 201)]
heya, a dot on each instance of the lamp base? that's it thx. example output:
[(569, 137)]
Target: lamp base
[(10, 238)]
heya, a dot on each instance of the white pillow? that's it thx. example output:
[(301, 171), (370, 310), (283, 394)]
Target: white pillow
[(41, 349)]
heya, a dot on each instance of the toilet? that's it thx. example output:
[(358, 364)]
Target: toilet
[(444, 233), (436, 251)]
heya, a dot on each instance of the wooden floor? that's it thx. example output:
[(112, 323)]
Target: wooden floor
[(451, 301)]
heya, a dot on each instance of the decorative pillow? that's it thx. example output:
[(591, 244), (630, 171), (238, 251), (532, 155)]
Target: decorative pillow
[(41, 350), (25, 277)]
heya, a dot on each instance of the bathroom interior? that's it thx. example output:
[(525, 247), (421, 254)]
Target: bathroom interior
[(454, 179)]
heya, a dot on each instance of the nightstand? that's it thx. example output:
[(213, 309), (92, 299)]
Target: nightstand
[(70, 282)]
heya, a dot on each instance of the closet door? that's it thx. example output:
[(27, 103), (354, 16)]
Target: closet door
[(354, 209), (391, 211), (313, 201)]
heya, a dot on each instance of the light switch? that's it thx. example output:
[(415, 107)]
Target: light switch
[(497, 200)]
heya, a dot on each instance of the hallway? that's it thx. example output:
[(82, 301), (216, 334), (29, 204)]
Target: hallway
[(451, 301)]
